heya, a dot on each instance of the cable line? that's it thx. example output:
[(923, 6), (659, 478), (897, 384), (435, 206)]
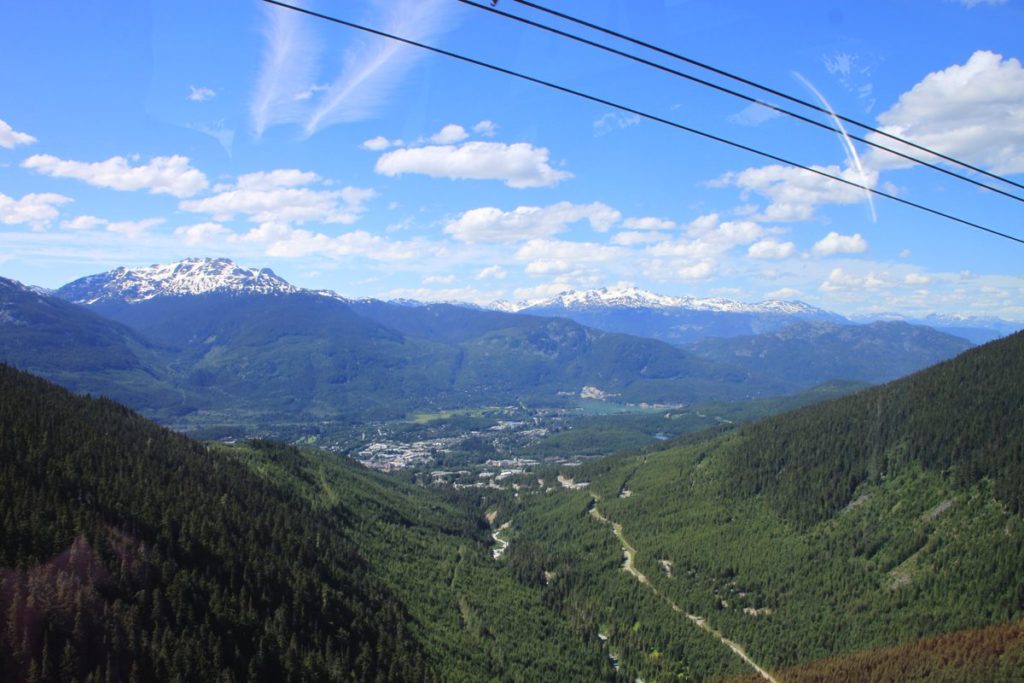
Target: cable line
[(635, 112), (764, 88), (742, 96)]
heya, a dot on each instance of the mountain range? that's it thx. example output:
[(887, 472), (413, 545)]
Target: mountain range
[(683, 320), (208, 341)]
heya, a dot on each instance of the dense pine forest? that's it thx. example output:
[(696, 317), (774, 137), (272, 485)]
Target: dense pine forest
[(132, 553)]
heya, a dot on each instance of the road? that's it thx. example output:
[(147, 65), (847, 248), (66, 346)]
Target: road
[(629, 565)]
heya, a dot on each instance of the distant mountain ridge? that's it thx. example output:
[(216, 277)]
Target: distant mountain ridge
[(677, 320), (245, 345), (624, 296), (189, 340), (626, 309), (977, 329), (810, 349), (182, 278)]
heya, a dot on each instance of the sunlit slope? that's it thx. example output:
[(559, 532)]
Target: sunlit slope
[(869, 521)]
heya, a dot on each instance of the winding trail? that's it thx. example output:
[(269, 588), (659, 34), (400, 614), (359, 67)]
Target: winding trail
[(501, 545), (629, 566)]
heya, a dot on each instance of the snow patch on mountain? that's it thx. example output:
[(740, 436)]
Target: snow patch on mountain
[(182, 278), (622, 296)]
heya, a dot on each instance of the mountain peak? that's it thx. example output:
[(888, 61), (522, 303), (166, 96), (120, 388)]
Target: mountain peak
[(628, 296), (188, 277)]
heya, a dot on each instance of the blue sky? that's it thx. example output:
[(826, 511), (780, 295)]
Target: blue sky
[(137, 133)]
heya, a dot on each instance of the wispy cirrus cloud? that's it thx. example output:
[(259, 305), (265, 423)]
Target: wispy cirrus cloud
[(291, 59), (373, 68), (200, 94), (291, 88)]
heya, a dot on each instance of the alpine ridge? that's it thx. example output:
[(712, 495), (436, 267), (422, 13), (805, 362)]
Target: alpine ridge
[(182, 278), (627, 296)]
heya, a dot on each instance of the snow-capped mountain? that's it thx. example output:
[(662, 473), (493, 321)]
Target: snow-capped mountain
[(182, 278), (674, 319), (634, 297)]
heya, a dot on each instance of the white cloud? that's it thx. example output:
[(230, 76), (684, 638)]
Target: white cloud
[(703, 224), (785, 293), (200, 94), (495, 271), (282, 196), (547, 266), (10, 138), (308, 93), (35, 210), (905, 253), (840, 64), (973, 111), (834, 243), (754, 114), (489, 224), (439, 279), (160, 175), (771, 249), (133, 229), (377, 144), (916, 279), (839, 280), (649, 223), (485, 128), (449, 135), (794, 193), (552, 256), (202, 233), (708, 238), (280, 240), (696, 254), (629, 238), (614, 120), (697, 271), (278, 178), (83, 223), (852, 74), (518, 165)]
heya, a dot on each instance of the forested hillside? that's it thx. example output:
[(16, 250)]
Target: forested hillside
[(872, 521), (961, 418), (129, 552), (84, 351), (805, 353)]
